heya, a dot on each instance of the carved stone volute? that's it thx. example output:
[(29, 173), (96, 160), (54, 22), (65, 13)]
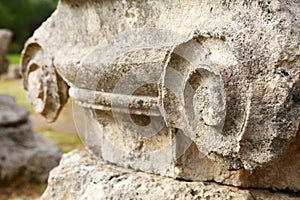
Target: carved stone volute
[(225, 79)]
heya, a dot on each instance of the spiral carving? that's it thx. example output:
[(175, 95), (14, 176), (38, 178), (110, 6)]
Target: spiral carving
[(46, 90)]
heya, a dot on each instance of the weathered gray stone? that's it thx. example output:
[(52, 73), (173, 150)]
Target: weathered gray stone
[(245, 57), (81, 175), (48, 92), (10, 112), (195, 90), (23, 152), (5, 37)]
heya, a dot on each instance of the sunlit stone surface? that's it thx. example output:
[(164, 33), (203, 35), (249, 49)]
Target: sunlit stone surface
[(193, 90)]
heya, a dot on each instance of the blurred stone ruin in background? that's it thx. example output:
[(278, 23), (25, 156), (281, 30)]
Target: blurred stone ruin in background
[(177, 99), (5, 38), (6, 70), (22, 152)]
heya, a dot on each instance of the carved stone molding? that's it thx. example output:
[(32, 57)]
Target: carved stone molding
[(216, 83), (47, 92)]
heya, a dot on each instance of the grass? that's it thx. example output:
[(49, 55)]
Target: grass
[(14, 58), (15, 88)]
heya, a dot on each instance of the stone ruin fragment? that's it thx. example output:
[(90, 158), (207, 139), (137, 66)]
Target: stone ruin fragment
[(5, 37), (23, 152), (7, 72), (201, 91)]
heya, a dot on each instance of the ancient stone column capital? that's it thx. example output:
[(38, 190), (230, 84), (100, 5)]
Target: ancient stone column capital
[(225, 73)]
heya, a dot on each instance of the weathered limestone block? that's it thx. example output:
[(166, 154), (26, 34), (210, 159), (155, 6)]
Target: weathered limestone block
[(5, 37), (23, 152), (195, 90), (80, 175)]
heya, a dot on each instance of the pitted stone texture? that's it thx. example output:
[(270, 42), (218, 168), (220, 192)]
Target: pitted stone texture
[(5, 37), (48, 92), (23, 152), (245, 55), (283, 174), (280, 175), (81, 175)]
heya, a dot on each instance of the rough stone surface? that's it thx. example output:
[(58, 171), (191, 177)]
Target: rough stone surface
[(5, 37), (23, 152), (280, 175), (48, 92), (242, 59), (195, 90), (81, 175)]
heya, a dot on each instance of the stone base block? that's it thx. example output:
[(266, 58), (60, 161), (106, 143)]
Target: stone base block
[(81, 175)]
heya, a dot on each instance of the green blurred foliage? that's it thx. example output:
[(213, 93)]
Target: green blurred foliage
[(23, 17), (14, 59)]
